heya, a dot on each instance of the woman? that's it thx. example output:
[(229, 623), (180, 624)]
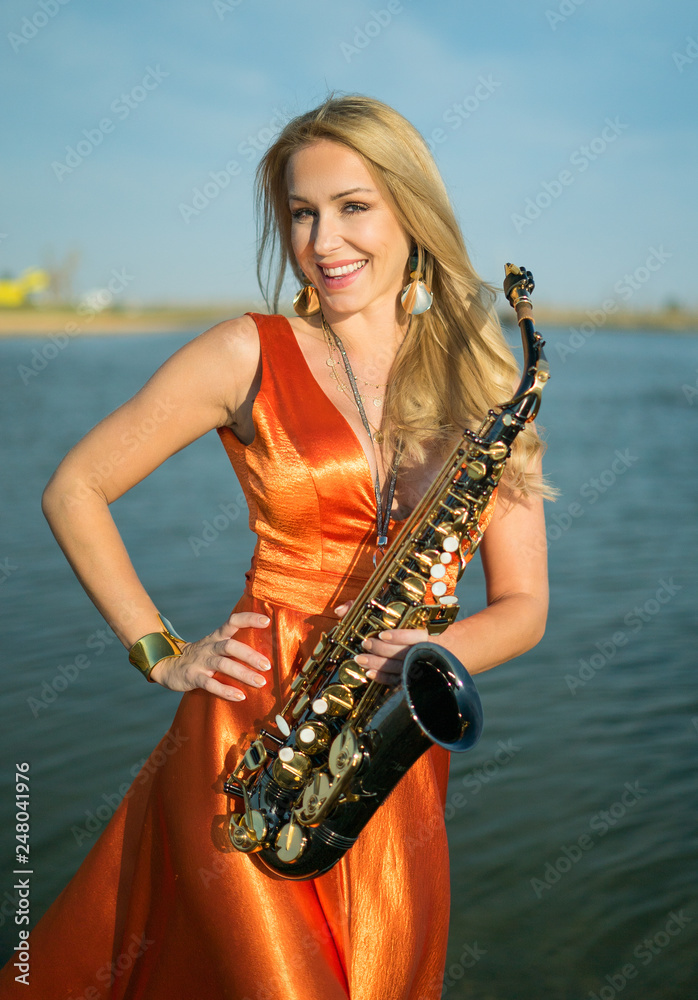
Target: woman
[(162, 907)]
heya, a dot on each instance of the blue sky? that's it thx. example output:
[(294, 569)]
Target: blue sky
[(573, 152)]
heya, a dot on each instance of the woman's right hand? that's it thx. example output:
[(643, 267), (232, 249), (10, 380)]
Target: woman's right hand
[(217, 653)]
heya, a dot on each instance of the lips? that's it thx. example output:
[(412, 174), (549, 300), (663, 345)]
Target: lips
[(345, 273), (341, 267)]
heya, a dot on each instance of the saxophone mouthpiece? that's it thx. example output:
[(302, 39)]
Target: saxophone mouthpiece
[(518, 284)]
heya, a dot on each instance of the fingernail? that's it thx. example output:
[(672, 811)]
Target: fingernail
[(259, 682), (384, 635), (371, 674), (238, 696), (264, 665), (362, 660), (264, 620), (367, 644)]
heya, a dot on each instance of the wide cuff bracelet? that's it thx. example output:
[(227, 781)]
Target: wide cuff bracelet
[(155, 646)]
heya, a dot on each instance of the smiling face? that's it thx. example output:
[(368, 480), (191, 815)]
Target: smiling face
[(344, 233)]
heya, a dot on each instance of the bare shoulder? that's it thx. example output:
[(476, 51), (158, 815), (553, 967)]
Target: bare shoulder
[(232, 339), (220, 365)]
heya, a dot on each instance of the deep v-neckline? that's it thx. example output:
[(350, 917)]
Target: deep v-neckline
[(343, 418)]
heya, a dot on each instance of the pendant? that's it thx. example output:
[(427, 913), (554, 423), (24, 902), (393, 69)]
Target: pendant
[(378, 437)]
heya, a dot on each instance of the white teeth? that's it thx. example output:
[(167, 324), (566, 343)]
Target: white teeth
[(334, 272)]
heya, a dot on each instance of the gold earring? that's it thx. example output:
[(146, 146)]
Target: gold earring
[(416, 297), (306, 302)]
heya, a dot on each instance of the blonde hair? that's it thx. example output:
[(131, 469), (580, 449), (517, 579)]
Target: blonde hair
[(454, 364)]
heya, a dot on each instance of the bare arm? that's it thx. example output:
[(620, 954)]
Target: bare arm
[(202, 386), (514, 556)]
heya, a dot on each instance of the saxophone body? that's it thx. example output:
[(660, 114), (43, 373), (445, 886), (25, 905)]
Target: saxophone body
[(309, 783)]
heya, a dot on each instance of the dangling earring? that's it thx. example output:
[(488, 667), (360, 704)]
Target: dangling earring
[(416, 297), (306, 302)]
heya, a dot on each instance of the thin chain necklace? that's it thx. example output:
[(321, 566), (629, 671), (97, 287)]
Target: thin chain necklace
[(334, 365), (382, 518)]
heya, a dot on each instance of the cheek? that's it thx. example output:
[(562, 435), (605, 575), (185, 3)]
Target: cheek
[(299, 240)]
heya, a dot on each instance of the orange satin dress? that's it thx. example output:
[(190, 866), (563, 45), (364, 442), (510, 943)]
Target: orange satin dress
[(162, 908)]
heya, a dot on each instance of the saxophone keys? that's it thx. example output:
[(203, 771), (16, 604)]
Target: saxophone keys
[(427, 558), (300, 706), (414, 586), (282, 725), (438, 571), (291, 842), (439, 588), (321, 645), (352, 675), (315, 797), (451, 543), (255, 757), (394, 612), (291, 768), (336, 700), (498, 450), (344, 752), (445, 558), (247, 836), (314, 736)]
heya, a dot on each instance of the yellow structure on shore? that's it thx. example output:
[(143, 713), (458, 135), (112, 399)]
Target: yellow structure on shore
[(14, 292)]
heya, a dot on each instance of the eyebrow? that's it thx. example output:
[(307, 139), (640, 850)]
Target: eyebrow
[(334, 197)]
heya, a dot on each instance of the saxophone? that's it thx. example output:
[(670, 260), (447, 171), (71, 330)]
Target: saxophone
[(342, 742)]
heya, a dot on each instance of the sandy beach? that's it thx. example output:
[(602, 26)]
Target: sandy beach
[(168, 319)]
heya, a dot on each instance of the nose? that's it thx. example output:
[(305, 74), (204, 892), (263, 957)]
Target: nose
[(326, 235)]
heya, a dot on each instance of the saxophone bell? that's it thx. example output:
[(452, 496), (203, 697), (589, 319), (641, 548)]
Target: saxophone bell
[(441, 697)]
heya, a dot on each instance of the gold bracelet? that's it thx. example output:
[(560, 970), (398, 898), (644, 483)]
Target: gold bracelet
[(155, 646)]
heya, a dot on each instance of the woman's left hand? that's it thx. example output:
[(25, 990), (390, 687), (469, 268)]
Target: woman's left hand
[(384, 654)]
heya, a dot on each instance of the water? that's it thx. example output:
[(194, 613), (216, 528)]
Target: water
[(572, 824)]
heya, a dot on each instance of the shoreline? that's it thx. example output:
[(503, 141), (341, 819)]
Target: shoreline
[(132, 322)]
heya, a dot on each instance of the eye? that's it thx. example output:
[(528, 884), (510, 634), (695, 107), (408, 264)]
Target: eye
[(355, 207), (300, 213)]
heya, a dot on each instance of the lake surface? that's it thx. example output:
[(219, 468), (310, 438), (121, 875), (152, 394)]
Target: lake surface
[(572, 824)]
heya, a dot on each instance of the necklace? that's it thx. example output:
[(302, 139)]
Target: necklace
[(382, 518), (335, 365)]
